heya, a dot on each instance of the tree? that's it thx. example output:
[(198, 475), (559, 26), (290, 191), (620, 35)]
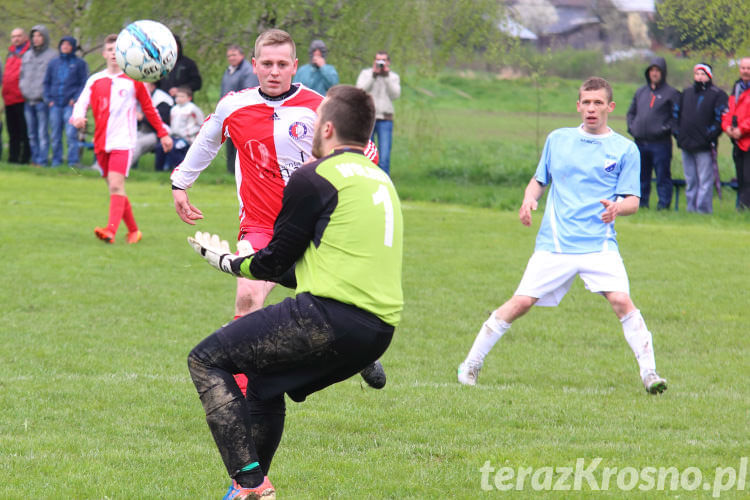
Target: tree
[(712, 26)]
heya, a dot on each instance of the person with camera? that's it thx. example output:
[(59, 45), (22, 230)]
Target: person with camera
[(736, 123), (317, 74), (385, 86)]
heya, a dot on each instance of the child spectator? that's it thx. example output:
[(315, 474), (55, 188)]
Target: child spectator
[(186, 119)]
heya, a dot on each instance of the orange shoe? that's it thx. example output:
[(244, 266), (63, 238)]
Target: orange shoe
[(263, 492), (135, 236), (104, 234)]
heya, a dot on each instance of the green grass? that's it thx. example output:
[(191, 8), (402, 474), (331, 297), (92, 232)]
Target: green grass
[(96, 401)]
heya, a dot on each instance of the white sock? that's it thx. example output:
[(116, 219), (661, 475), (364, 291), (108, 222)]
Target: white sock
[(639, 339), (488, 335)]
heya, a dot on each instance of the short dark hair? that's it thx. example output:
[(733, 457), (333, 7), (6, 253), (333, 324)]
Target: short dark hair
[(596, 83), (236, 47), (110, 39), (185, 90), (352, 112)]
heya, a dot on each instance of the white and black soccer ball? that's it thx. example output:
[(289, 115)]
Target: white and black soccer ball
[(146, 50)]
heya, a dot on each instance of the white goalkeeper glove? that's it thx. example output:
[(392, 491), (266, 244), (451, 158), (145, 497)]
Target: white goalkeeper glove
[(217, 253)]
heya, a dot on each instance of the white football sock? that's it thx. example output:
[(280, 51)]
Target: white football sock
[(488, 335), (639, 339)]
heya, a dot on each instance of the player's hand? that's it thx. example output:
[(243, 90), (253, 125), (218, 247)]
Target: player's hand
[(166, 143), (611, 210), (79, 122), (217, 253), (187, 212), (524, 213)]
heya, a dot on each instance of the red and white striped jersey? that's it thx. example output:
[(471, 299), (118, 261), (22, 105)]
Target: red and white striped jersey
[(273, 138), (113, 104)]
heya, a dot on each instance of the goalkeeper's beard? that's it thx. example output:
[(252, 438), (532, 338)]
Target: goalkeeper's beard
[(317, 145)]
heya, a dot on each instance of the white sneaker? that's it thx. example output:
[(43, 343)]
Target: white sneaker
[(653, 383), (468, 371)]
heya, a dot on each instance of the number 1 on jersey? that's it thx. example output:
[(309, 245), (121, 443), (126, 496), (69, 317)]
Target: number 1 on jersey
[(383, 196)]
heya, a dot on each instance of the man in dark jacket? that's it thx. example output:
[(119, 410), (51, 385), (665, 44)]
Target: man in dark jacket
[(184, 74), (698, 119), (65, 77), (18, 139), (238, 75), (650, 122)]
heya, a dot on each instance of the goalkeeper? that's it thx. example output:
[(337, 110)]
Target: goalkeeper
[(340, 222)]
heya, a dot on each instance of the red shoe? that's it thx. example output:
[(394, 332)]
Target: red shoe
[(104, 234), (134, 237), (264, 491)]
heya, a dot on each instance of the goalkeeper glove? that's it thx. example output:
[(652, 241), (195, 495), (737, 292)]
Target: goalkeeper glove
[(217, 252)]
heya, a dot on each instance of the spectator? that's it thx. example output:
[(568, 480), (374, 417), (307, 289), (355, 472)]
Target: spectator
[(736, 123), (184, 74), (650, 121), (385, 86), (19, 150), (698, 128), (186, 119), (63, 81), (238, 75), (1, 121), (31, 82), (317, 75), (146, 139)]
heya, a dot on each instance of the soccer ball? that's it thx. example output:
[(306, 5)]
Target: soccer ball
[(146, 50)]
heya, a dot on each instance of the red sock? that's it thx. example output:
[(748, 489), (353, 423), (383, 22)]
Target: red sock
[(116, 208), (127, 216), (240, 378)]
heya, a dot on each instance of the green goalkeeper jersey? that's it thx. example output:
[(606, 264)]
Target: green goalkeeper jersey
[(341, 222)]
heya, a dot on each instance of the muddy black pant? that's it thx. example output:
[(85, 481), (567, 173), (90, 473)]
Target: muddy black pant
[(298, 346)]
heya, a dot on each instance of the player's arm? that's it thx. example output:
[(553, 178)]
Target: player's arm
[(152, 116), (78, 115), (625, 206), (532, 194)]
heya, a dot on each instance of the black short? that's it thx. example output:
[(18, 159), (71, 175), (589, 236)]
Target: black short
[(298, 346)]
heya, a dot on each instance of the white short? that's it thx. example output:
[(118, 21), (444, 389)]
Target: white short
[(548, 275)]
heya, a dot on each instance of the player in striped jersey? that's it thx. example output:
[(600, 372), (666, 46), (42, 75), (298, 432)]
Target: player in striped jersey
[(112, 96)]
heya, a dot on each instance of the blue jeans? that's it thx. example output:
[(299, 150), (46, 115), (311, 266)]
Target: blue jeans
[(37, 118), (58, 119), (384, 132), (656, 157)]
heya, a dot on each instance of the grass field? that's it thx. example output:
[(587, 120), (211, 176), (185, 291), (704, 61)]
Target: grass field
[(96, 401)]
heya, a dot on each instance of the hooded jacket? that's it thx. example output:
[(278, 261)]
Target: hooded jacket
[(11, 93), (65, 76), (651, 114), (698, 116), (34, 66)]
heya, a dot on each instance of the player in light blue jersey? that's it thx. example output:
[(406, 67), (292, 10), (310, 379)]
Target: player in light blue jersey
[(594, 177)]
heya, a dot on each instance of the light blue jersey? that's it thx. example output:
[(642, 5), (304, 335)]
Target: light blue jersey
[(582, 169)]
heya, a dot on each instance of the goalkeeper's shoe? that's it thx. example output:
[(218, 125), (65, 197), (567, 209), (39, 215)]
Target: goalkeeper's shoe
[(468, 372), (134, 236), (653, 383), (104, 234), (263, 492), (374, 375)]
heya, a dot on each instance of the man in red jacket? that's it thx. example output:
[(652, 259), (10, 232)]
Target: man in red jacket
[(736, 123), (19, 150)]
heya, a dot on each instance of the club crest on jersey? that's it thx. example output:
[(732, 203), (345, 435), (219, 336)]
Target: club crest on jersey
[(609, 165), (298, 130)]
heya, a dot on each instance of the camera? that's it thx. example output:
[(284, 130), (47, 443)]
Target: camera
[(380, 64)]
